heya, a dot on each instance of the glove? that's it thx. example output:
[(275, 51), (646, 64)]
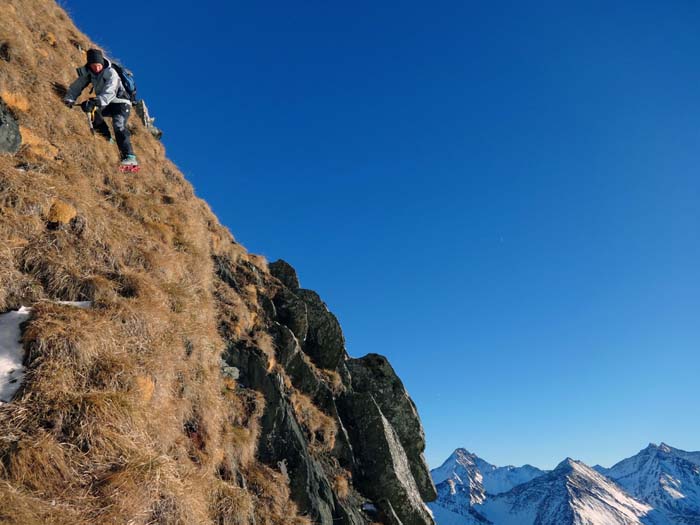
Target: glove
[(89, 105), (69, 103)]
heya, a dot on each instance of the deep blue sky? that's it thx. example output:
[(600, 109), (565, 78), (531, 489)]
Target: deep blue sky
[(499, 196)]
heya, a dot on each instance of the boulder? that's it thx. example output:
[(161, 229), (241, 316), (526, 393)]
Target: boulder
[(324, 343), (292, 312), (383, 471), (373, 374), (286, 345), (10, 137), (284, 271)]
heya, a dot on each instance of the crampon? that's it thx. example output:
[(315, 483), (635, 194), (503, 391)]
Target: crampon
[(130, 169)]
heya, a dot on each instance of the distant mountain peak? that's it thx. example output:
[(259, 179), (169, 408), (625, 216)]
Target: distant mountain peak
[(461, 453), (665, 477), (573, 493), (566, 464), (661, 447), (465, 480)]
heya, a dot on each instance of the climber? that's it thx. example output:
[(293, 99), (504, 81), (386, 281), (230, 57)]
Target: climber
[(111, 100)]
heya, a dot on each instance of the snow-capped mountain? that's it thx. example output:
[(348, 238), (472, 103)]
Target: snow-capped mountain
[(465, 480), (469, 470), (658, 486), (571, 494), (664, 477)]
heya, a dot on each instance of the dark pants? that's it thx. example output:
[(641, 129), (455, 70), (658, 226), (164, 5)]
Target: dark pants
[(120, 115)]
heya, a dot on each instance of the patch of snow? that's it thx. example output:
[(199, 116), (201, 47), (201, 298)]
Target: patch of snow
[(11, 352), (77, 304), (443, 516)]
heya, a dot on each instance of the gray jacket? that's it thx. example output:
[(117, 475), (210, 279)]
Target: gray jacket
[(107, 84)]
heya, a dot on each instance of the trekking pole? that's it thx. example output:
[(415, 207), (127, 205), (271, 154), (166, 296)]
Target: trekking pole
[(91, 118)]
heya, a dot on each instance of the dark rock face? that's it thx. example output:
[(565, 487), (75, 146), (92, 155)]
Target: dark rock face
[(292, 312), (282, 439), (283, 271), (324, 343), (374, 374), (222, 267), (5, 52), (10, 138), (384, 471), (379, 438), (349, 515)]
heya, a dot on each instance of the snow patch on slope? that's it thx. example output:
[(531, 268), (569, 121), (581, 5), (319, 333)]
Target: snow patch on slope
[(11, 351)]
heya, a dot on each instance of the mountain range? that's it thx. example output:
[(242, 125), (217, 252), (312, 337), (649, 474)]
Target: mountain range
[(658, 486)]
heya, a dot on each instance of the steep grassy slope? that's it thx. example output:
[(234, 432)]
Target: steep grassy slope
[(127, 414)]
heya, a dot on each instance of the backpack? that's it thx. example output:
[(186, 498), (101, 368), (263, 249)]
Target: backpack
[(127, 78)]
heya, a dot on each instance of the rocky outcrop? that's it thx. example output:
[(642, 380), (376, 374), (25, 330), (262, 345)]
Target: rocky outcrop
[(10, 138), (378, 437), (373, 374), (324, 342), (292, 312), (384, 472), (282, 442), (287, 275)]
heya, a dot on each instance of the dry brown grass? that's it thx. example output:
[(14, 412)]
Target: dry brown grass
[(320, 428), (124, 416), (61, 212), (16, 101), (329, 377), (274, 506), (263, 340), (341, 485)]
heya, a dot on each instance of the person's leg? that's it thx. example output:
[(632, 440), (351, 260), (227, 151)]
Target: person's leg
[(120, 116), (100, 125)]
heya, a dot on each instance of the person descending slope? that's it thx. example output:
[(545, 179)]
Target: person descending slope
[(111, 100)]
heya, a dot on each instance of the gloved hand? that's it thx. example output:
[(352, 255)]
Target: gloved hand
[(69, 103), (89, 105)]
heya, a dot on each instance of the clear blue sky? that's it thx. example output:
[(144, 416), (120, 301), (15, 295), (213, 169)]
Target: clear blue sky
[(502, 197)]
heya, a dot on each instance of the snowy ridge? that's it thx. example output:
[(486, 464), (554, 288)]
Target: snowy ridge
[(571, 494), (483, 477), (664, 477), (465, 480), (658, 486)]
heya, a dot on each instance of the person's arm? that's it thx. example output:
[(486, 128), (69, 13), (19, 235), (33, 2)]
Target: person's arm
[(76, 88)]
